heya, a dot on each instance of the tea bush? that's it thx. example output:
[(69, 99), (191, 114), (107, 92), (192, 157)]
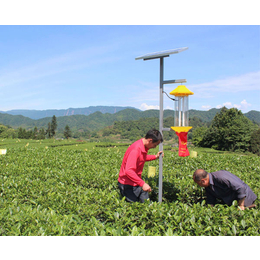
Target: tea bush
[(69, 192)]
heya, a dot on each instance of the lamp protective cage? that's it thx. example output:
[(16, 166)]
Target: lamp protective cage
[(181, 114)]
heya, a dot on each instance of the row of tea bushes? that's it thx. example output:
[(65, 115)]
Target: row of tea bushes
[(70, 192)]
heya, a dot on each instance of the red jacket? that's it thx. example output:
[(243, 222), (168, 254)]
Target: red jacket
[(133, 164)]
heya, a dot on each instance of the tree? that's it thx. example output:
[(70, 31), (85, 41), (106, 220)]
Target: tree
[(255, 142), (53, 125), (2, 129), (67, 132), (198, 135), (35, 132), (21, 133), (41, 134), (6, 132), (48, 131), (230, 130), (196, 122)]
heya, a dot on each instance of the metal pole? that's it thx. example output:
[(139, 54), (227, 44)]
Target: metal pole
[(161, 130)]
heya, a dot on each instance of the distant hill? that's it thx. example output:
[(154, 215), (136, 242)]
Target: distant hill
[(253, 116), (16, 121), (38, 114), (205, 116), (99, 120)]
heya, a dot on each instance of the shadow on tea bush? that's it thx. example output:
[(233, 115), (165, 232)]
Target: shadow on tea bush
[(170, 191)]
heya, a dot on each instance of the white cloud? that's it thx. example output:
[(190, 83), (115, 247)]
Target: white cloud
[(228, 104), (142, 94), (242, 106), (207, 107), (246, 82), (144, 106), (63, 63)]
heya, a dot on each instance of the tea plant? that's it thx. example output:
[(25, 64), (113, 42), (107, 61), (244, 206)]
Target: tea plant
[(63, 191)]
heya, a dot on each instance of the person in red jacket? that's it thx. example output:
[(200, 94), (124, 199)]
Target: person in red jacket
[(130, 183)]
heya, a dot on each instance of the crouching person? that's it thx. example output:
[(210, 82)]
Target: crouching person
[(130, 182), (225, 186)]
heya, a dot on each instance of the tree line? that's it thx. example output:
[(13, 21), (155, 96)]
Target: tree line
[(36, 134), (229, 130), (132, 130)]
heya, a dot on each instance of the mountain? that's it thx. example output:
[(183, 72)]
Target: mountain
[(205, 116), (253, 116), (38, 114), (16, 121), (99, 120)]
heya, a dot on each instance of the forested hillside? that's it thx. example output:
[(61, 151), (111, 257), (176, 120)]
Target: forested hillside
[(254, 116), (128, 124), (98, 120), (135, 129), (228, 130)]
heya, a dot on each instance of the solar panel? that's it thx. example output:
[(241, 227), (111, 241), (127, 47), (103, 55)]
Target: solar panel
[(161, 54)]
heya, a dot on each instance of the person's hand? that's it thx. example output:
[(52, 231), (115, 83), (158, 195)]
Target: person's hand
[(159, 153), (146, 187), (241, 203)]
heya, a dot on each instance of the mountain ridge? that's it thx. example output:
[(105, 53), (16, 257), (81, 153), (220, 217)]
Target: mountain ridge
[(99, 120), (38, 114)]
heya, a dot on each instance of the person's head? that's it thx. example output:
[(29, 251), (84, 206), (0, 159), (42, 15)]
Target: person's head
[(153, 138), (201, 177)]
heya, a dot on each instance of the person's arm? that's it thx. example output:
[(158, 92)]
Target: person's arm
[(146, 186), (150, 157), (241, 203), (211, 199)]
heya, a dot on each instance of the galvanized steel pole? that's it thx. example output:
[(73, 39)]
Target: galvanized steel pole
[(161, 130)]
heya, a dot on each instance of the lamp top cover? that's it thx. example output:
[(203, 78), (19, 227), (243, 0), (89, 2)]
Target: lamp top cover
[(181, 90)]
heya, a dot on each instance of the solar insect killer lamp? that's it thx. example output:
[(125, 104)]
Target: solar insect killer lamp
[(181, 117), (161, 55)]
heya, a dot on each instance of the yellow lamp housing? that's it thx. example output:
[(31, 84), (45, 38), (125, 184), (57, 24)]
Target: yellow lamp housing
[(181, 115)]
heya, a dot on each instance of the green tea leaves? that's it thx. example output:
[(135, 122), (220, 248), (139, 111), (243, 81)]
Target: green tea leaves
[(71, 192)]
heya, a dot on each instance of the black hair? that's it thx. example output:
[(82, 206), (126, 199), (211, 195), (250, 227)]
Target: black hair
[(155, 135)]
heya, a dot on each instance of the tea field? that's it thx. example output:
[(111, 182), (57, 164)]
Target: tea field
[(69, 188)]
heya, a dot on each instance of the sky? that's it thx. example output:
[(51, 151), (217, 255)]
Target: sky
[(55, 66)]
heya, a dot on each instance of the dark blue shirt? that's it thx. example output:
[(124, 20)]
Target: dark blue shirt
[(228, 187)]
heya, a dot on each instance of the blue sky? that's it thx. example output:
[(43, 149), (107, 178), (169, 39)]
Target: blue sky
[(62, 66)]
